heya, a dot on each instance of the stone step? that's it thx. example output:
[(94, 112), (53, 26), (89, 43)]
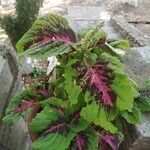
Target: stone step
[(136, 37)]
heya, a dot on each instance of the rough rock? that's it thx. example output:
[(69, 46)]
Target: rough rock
[(6, 80), (12, 137), (9, 71)]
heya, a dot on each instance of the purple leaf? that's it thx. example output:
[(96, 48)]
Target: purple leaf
[(101, 81), (24, 106), (108, 140)]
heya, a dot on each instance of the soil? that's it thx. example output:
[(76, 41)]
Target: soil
[(31, 79)]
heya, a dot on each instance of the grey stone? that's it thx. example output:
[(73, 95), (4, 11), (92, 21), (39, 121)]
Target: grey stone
[(136, 66), (8, 75), (20, 139), (137, 137), (6, 80), (26, 68), (10, 83), (145, 52), (136, 37)]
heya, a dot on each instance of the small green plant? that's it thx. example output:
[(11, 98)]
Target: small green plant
[(26, 14), (82, 109), (37, 71)]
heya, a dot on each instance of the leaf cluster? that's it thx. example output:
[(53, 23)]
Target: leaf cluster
[(91, 93)]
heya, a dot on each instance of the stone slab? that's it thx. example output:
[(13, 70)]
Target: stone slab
[(136, 37), (145, 28)]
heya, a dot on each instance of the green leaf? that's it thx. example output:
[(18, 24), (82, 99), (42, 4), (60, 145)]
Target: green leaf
[(114, 63), (87, 97), (124, 90), (121, 44), (93, 36), (146, 85), (143, 103), (44, 26), (132, 117), (112, 113), (103, 121), (122, 85), (93, 139), (72, 89), (96, 114), (43, 119), (73, 93), (53, 142), (46, 50), (90, 112), (16, 100), (55, 102), (91, 60), (80, 125), (11, 118)]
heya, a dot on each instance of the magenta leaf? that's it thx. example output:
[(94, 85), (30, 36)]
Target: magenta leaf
[(25, 104), (108, 141), (75, 117), (62, 38), (54, 38), (80, 142), (101, 81), (59, 126), (66, 36)]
